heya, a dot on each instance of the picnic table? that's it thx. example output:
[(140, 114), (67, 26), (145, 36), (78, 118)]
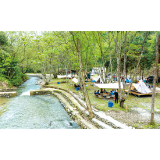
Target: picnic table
[(105, 95)]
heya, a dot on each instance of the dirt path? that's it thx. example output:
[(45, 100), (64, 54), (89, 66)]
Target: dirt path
[(136, 117)]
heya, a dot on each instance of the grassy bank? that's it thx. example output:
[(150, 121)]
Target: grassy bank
[(100, 104)]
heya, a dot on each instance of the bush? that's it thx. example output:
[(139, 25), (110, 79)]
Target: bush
[(38, 71), (47, 83), (3, 79), (29, 70), (17, 81), (18, 78), (24, 77)]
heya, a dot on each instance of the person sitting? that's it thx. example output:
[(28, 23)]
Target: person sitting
[(101, 90), (104, 91), (113, 91), (98, 92)]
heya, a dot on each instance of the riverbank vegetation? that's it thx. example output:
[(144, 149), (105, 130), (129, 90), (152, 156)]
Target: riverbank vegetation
[(10, 72)]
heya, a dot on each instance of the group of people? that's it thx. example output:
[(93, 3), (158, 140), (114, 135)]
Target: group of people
[(112, 92), (102, 91)]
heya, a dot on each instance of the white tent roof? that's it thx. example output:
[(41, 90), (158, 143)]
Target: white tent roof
[(64, 76), (97, 78), (141, 87), (75, 80), (109, 85)]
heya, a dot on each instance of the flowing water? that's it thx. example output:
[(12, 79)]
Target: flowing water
[(33, 112)]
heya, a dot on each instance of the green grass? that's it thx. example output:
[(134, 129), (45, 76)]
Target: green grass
[(148, 126), (137, 101), (102, 104), (70, 87)]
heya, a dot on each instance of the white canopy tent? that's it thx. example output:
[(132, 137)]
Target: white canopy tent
[(98, 79), (141, 87), (109, 85), (64, 76)]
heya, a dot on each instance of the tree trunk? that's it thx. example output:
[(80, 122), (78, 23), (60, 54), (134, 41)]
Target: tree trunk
[(50, 71), (109, 41), (126, 73), (82, 77), (157, 72), (142, 73), (155, 77), (122, 102), (66, 75), (119, 69)]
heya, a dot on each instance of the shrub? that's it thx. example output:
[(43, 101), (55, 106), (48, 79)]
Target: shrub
[(17, 81), (47, 83), (24, 77)]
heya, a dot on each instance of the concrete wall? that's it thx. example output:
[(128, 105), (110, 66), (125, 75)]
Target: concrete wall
[(8, 94)]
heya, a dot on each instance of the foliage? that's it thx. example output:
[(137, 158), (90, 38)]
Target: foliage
[(51, 51), (47, 83), (9, 68)]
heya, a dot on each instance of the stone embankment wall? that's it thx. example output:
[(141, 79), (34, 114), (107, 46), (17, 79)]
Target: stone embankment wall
[(8, 94)]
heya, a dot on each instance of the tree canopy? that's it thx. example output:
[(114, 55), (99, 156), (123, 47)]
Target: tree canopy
[(55, 51)]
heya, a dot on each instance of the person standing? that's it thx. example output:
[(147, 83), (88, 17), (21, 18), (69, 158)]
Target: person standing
[(116, 96)]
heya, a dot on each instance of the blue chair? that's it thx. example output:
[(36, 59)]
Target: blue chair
[(127, 80), (93, 80)]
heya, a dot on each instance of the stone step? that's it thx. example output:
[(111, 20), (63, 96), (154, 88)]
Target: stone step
[(101, 124), (106, 119), (75, 101), (8, 89), (81, 121), (94, 120), (40, 92)]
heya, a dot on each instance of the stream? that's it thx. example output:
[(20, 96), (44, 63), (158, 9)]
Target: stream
[(33, 112)]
